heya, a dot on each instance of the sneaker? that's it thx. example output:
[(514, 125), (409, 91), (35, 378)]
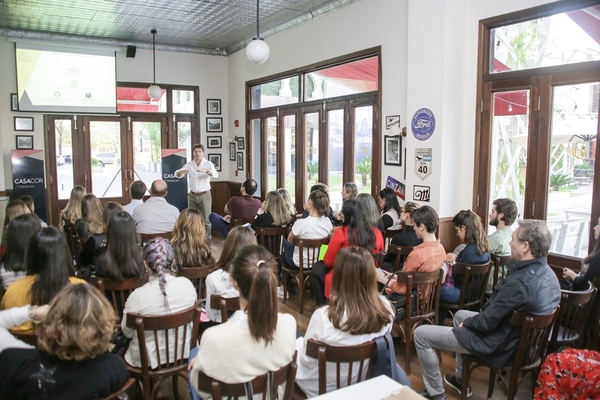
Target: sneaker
[(428, 396), (453, 383), (280, 292)]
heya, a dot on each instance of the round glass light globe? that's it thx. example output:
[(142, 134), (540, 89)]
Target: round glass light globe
[(154, 91), (258, 51)]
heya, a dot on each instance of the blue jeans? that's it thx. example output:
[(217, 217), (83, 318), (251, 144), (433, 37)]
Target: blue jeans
[(428, 339), (193, 394), (287, 255), (217, 222), (449, 294)]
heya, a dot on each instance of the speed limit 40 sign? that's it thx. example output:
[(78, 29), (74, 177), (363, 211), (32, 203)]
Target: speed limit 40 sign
[(423, 162)]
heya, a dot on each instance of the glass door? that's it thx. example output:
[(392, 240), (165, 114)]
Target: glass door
[(148, 135)]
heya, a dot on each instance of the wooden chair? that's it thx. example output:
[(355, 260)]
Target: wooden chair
[(129, 391), (388, 235), (535, 330), (240, 221), (571, 318), (472, 291), (224, 304), (198, 277), (29, 337), (500, 268), (146, 237), (117, 292), (75, 242), (267, 383), (272, 239), (172, 361), (400, 252), (378, 258), (308, 252), (421, 308), (358, 360)]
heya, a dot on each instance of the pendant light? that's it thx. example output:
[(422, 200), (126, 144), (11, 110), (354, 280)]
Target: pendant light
[(154, 91), (257, 50)]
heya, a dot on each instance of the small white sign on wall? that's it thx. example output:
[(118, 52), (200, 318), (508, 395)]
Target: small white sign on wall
[(423, 162)]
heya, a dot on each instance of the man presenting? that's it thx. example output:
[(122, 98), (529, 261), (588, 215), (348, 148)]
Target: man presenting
[(156, 215), (531, 287), (244, 206), (199, 172)]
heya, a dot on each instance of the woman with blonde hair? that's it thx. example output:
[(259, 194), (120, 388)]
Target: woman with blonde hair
[(71, 360), (289, 202), (189, 240), (72, 212), (91, 222), (266, 336), (275, 212), (357, 314)]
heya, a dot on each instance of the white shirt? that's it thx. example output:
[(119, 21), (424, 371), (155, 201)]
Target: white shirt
[(218, 282), (9, 277), (310, 228), (321, 329), (396, 224), (148, 300), (155, 216), (9, 318), (131, 206), (199, 181)]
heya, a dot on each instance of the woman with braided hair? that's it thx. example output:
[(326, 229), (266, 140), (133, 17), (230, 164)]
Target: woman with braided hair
[(163, 294)]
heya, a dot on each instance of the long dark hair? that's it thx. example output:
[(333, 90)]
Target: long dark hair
[(48, 258), (360, 232), (391, 201), (253, 269), (122, 258), (474, 230), (238, 237), (19, 232)]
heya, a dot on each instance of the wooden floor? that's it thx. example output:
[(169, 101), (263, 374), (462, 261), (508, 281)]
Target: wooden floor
[(479, 380)]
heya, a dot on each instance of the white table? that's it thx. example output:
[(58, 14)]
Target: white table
[(377, 388)]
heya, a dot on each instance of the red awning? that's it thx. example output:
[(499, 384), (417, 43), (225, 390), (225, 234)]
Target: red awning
[(136, 99)]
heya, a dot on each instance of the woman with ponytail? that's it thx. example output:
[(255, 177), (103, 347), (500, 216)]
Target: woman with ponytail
[(163, 294), (256, 339)]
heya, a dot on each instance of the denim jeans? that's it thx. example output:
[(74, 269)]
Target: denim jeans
[(428, 339), (217, 222), (193, 394), (449, 294)]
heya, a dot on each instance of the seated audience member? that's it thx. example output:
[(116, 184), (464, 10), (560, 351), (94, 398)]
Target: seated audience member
[(13, 209), (72, 359), (426, 257), (138, 190), (356, 315), (72, 212), (407, 237), (323, 188), (291, 207), (469, 230), (274, 213), (219, 281), (91, 222), (123, 257), (163, 294), (357, 232), (390, 209), (244, 206), (371, 211), (570, 374), (156, 215), (19, 231), (531, 287), (30, 204), (349, 192), (49, 269), (266, 336), (503, 215), (189, 240)]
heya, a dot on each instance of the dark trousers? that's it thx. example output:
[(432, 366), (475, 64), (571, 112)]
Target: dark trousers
[(317, 281)]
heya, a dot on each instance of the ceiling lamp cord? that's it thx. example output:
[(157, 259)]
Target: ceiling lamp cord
[(154, 91), (258, 50)]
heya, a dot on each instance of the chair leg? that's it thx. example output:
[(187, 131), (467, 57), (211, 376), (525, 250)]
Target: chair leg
[(466, 374), (407, 348), (491, 383), (301, 295), (513, 384), (175, 379)]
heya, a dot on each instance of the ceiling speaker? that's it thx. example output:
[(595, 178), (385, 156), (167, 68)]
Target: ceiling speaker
[(131, 51)]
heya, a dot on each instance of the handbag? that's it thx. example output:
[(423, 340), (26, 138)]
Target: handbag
[(398, 301), (385, 360)]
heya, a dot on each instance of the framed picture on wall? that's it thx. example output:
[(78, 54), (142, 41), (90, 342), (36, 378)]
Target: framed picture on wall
[(24, 142), (240, 161), (216, 160), (232, 151), (392, 145), (23, 123), (214, 124), (214, 142), (213, 106), (240, 143), (14, 102)]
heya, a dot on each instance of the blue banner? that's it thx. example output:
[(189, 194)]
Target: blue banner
[(172, 160)]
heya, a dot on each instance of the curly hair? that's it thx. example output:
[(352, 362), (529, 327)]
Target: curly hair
[(79, 324), (189, 240), (159, 257)]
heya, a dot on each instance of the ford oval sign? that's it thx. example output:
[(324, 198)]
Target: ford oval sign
[(423, 124)]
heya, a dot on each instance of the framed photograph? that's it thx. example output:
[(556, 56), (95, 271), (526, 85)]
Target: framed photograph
[(14, 102), (231, 151), (216, 160), (213, 106), (392, 145), (23, 123), (392, 120), (240, 161), (214, 142), (240, 143), (24, 142), (214, 124)]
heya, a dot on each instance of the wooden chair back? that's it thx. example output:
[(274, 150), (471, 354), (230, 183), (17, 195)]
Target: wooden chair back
[(267, 384), (198, 277), (129, 391), (400, 252), (308, 255), (422, 304), (75, 242), (224, 305), (240, 221), (29, 337), (472, 290), (500, 268), (272, 239), (117, 292), (146, 237), (358, 359), (172, 361), (378, 258), (535, 330), (388, 235), (571, 318)]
